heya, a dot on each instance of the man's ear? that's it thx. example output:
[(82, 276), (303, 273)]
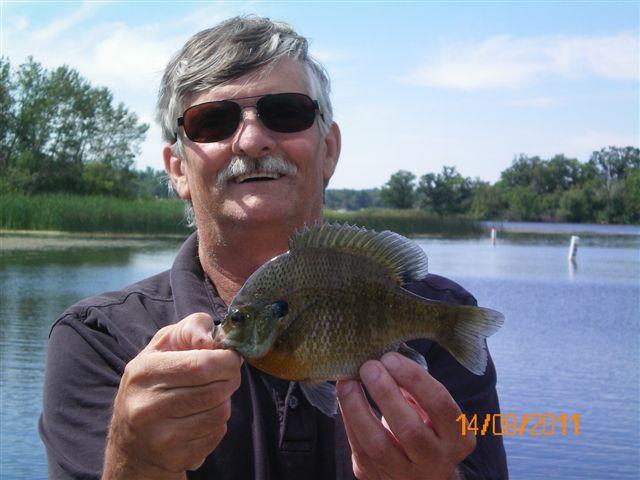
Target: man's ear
[(332, 152), (175, 169)]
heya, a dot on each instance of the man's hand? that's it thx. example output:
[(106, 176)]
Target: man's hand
[(173, 403), (417, 439)]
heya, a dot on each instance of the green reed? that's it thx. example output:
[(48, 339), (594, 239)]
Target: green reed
[(71, 213)]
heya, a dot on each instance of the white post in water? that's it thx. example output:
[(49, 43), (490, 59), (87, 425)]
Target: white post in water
[(573, 248), (493, 236)]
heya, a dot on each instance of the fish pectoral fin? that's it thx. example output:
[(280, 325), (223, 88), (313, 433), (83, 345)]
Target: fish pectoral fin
[(410, 353), (321, 395)]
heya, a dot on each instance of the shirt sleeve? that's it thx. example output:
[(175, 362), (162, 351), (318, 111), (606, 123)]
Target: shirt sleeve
[(82, 374)]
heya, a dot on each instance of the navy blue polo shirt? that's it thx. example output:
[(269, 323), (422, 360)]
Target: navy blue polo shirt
[(273, 432)]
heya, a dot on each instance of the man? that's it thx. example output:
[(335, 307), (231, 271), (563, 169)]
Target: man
[(133, 388)]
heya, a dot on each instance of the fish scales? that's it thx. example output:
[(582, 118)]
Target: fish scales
[(346, 303), (332, 344)]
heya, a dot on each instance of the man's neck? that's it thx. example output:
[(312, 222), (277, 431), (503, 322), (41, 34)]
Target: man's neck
[(230, 256)]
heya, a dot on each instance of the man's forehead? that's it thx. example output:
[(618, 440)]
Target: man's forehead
[(287, 75)]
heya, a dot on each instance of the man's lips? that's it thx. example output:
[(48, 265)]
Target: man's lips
[(256, 176)]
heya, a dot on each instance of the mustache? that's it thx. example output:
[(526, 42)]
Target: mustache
[(243, 165)]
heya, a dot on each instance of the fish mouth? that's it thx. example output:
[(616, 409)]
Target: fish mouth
[(220, 340)]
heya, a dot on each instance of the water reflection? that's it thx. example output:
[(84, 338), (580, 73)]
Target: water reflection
[(67, 257)]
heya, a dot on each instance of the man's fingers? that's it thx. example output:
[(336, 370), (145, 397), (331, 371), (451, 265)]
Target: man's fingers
[(190, 333), (408, 427), (188, 441), (199, 425), (430, 394), (343, 386), (368, 438), (186, 401), (184, 369), (182, 402)]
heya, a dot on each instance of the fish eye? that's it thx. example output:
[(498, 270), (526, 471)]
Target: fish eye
[(280, 308), (237, 318)]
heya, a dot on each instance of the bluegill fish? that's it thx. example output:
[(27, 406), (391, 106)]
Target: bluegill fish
[(335, 300)]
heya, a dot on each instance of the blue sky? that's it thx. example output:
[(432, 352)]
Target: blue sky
[(416, 85)]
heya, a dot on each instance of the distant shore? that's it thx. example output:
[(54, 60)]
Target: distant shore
[(550, 228), (96, 216)]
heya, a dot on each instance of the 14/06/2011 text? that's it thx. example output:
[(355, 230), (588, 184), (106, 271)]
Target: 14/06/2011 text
[(510, 424)]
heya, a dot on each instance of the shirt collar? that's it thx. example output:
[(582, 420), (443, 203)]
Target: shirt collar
[(192, 290)]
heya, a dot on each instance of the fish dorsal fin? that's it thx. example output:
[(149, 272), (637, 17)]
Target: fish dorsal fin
[(402, 258)]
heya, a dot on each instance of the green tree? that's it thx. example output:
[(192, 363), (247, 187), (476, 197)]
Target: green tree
[(523, 204), (151, 183), (101, 178), (543, 176), (350, 199), (58, 124), (7, 114), (521, 173), (446, 193), (630, 194), (487, 201), (611, 166), (399, 191), (579, 204)]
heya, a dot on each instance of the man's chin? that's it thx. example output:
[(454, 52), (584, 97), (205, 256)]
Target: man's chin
[(258, 209)]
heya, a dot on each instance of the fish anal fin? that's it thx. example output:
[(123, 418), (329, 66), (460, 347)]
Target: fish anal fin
[(321, 395), (410, 353)]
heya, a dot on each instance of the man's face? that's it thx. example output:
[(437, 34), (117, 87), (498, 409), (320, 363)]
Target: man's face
[(290, 200)]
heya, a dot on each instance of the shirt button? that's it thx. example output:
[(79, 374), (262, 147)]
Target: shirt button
[(293, 402)]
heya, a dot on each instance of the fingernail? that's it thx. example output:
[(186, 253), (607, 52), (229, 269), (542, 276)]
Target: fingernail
[(369, 372), (345, 388), (391, 361)]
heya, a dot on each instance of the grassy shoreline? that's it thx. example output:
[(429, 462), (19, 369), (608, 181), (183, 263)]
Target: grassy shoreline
[(95, 214), (98, 215)]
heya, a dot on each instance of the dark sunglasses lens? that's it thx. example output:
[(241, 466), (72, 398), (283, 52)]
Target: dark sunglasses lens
[(211, 122), (287, 112)]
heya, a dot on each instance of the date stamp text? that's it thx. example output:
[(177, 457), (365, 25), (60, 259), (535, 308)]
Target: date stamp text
[(511, 425)]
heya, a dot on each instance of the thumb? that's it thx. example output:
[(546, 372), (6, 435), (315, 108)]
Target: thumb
[(191, 333)]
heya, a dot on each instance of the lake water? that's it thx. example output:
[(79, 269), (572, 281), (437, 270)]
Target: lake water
[(570, 344)]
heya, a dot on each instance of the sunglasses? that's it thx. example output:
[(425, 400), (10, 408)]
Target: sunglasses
[(281, 112)]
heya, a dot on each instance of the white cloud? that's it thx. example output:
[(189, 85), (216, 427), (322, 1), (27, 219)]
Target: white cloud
[(509, 62), (129, 57)]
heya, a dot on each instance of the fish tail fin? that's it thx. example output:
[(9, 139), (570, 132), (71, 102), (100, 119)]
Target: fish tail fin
[(466, 340)]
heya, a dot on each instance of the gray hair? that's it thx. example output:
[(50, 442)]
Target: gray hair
[(229, 50)]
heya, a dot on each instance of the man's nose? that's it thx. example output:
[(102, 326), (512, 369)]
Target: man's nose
[(252, 138)]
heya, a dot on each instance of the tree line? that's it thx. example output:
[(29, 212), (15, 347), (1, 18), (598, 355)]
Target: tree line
[(604, 189), (61, 134)]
